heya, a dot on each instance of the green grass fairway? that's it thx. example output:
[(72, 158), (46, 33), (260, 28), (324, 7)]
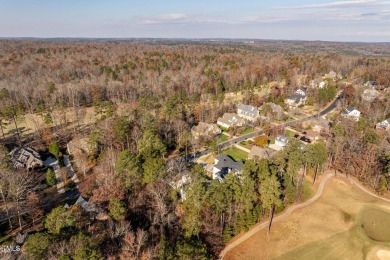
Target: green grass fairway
[(375, 223), (236, 154), (344, 223), (371, 230), (352, 244), (345, 245)]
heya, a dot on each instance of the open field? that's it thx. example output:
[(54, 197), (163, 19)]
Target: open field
[(29, 123), (336, 226), (236, 154)]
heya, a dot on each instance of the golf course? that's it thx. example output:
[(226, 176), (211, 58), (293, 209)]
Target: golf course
[(345, 222)]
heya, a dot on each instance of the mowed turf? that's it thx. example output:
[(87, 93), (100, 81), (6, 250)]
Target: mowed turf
[(330, 228), (236, 154)]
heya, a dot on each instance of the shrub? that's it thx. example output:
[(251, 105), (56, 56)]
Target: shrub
[(50, 177)]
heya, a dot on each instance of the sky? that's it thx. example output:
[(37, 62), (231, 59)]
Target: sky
[(327, 20)]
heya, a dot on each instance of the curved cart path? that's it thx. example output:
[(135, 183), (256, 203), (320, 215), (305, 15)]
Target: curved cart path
[(292, 209)]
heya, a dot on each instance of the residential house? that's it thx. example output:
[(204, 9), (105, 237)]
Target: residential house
[(260, 152), (25, 157), (298, 98), (384, 125), (276, 109), (248, 112), (205, 130), (351, 112), (223, 165), (318, 124), (323, 84), (312, 135), (369, 95), (230, 120), (370, 83), (94, 211), (282, 140)]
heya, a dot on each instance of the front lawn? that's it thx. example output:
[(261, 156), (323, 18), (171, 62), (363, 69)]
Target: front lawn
[(224, 129), (246, 145), (222, 138), (289, 133), (236, 154), (248, 131)]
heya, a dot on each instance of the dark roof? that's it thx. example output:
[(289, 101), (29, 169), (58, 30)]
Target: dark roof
[(296, 97), (87, 206), (349, 110), (25, 157), (225, 161)]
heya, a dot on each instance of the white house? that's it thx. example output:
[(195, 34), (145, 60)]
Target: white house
[(229, 120), (384, 125), (351, 112), (223, 165), (323, 84), (298, 98), (248, 112), (281, 140)]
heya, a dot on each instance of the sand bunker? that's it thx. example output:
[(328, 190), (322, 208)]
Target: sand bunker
[(383, 254)]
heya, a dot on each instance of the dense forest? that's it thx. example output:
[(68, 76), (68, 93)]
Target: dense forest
[(145, 97)]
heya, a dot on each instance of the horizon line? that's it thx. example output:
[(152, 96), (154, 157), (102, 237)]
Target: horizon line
[(180, 39)]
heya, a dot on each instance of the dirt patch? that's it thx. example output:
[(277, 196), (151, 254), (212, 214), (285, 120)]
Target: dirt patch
[(324, 230)]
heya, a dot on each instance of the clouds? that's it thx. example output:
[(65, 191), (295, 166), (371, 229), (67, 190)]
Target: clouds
[(182, 19), (339, 4), (166, 18), (277, 19)]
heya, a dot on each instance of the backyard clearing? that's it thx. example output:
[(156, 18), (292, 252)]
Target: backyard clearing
[(344, 223)]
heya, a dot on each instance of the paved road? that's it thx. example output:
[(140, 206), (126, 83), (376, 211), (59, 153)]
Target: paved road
[(70, 170), (291, 209), (236, 140)]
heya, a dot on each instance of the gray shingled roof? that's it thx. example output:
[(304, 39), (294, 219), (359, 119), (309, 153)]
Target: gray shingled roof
[(249, 110), (283, 139), (87, 206), (225, 161), (297, 96), (348, 110)]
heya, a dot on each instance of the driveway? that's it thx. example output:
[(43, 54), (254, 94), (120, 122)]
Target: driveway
[(53, 163)]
